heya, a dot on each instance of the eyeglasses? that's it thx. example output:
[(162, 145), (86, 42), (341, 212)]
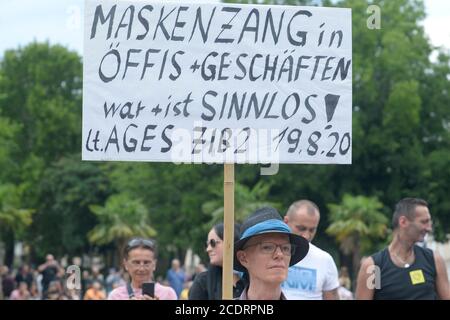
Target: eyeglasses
[(212, 243), (269, 248)]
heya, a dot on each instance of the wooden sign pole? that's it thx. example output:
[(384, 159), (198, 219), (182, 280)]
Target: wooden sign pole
[(228, 234)]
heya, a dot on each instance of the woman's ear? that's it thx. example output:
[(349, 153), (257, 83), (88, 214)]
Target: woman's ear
[(242, 257)]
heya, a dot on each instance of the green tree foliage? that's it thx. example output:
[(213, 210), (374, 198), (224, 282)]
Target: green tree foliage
[(246, 201), (435, 130), (13, 218), (436, 177), (63, 217), (401, 102), (357, 223), (41, 90), (174, 195), (8, 148), (40, 101), (120, 219)]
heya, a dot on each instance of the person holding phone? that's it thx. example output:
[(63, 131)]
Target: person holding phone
[(140, 263), (148, 288)]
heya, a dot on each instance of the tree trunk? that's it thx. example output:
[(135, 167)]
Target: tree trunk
[(9, 249), (347, 261), (356, 259), (120, 245)]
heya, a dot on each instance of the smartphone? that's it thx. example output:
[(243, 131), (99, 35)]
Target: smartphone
[(148, 288)]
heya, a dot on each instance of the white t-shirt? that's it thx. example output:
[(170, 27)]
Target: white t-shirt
[(316, 273)]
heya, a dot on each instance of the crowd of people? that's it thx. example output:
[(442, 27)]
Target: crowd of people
[(49, 281), (274, 259)]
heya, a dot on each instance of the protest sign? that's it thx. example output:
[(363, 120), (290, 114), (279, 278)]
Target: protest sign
[(216, 83)]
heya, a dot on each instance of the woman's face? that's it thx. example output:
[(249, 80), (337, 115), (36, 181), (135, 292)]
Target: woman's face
[(140, 264), (265, 259), (214, 248)]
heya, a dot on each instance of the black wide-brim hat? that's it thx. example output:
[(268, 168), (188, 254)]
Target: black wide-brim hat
[(268, 220)]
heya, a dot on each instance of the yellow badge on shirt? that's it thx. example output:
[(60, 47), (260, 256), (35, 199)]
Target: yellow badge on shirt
[(417, 277)]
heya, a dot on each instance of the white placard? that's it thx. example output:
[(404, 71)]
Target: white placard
[(216, 83)]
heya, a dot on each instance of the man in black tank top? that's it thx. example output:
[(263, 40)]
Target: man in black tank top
[(403, 270)]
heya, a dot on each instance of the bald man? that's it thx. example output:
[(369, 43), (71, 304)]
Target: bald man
[(316, 276)]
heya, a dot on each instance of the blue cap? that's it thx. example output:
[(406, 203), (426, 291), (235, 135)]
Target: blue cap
[(268, 220)]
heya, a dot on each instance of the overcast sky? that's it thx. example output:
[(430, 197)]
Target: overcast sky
[(60, 21)]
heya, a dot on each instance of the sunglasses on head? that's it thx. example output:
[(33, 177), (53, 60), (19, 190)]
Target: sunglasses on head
[(134, 243), (212, 243)]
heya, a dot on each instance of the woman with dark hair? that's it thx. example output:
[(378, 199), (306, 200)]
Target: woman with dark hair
[(208, 285)]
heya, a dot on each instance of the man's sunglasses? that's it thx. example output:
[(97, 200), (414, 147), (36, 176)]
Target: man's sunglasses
[(139, 242), (212, 243)]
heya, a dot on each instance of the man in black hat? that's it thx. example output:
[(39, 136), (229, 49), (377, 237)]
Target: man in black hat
[(265, 251)]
